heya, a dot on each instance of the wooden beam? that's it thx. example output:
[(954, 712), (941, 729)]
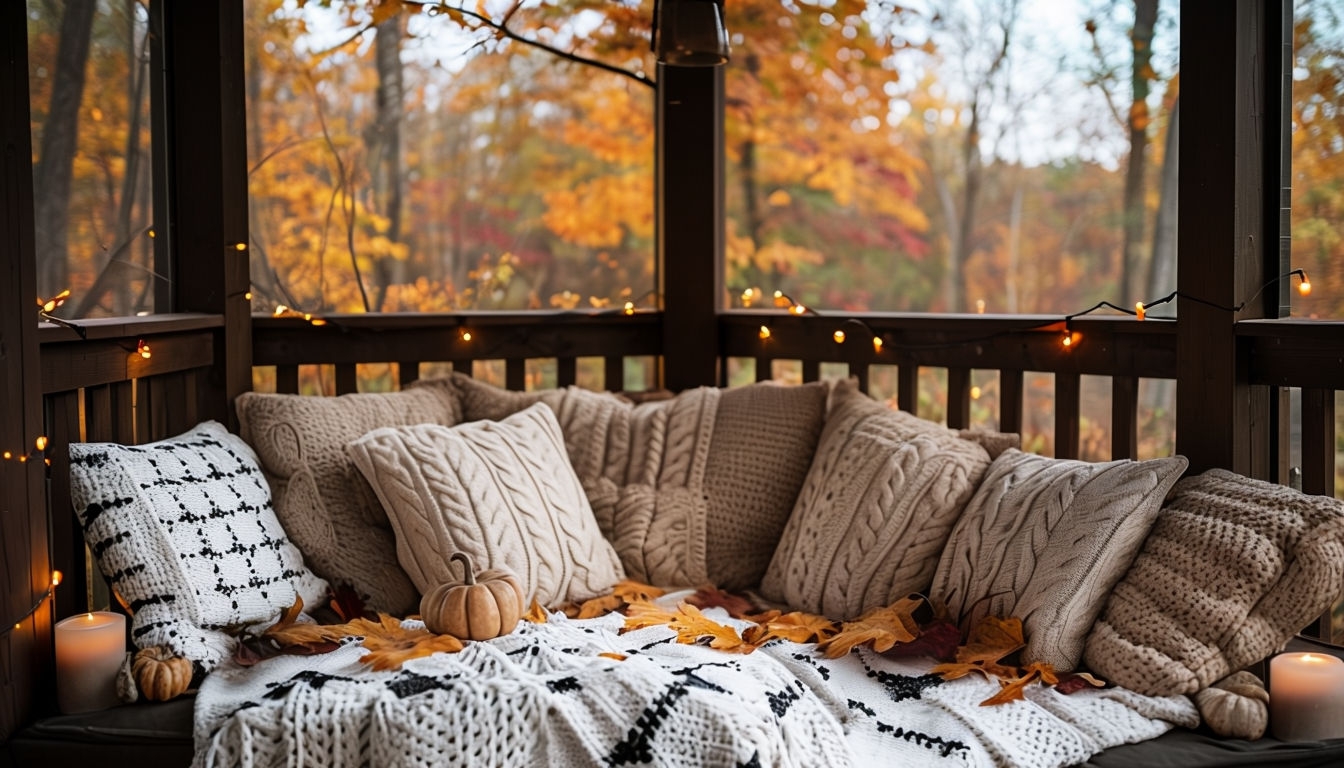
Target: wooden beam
[(1010, 400), (1124, 417), (1221, 240), (207, 186), (25, 651), (1068, 402), (959, 398), (1318, 441), (689, 199)]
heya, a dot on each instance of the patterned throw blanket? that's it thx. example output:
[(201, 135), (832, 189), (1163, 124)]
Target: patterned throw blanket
[(579, 693)]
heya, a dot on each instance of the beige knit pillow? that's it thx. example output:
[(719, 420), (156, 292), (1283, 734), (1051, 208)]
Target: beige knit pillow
[(502, 492), (883, 493), (1045, 540), (692, 489), (323, 503), (1232, 569)]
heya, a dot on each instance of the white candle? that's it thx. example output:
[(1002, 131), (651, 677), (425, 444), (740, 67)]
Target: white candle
[(90, 648), (1306, 696)]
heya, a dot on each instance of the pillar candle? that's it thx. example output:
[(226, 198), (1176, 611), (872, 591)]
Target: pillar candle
[(1306, 696), (90, 649)]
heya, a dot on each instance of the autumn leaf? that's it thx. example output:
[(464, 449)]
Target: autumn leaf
[(348, 605), (1077, 681), (611, 655), (692, 627), (991, 640), (881, 628), (1014, 689), (536, 614), (633, 591), (710, 596), (391, 644), (598, 606), (938, 639), (796, 627), (641, 614)]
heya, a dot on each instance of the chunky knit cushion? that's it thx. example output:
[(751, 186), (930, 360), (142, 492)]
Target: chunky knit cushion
[(503, 492), (692, 489), (184, 531), (1045, 540), (883, 493), (1233, 568), (323, 502)]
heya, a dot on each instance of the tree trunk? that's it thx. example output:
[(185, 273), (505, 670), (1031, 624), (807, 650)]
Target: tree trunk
[(384, 143), (1162, 275), (1141, 39), (1014, 249), (56, 156), (974, 165)]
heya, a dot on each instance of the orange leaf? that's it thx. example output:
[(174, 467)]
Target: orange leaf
[(599, 606), (712, 597), (633, 591), (881, 628), (991, 640), (390, 644), (643, 614), (691, 626), (616, 656), (536, 614), (797, 627), (955, 670), (1012, 690)]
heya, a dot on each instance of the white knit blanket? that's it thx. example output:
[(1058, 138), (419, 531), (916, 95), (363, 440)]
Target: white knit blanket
[(544, 696)]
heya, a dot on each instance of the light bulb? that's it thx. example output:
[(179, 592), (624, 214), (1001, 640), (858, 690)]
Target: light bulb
[(765, 332), (1304, 287), (629, 308), (839, 337), (877, 343), (1139, 311), (41, 442)]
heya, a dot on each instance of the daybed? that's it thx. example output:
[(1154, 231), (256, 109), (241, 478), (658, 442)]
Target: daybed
[(813, 498)]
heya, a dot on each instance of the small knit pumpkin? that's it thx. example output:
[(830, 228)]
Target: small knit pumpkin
[(1236, 706), (481, 606), (161, 674)]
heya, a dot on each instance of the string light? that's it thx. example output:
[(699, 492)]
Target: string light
[(1139, 311), (629, 308), (975, 393), (877, 344), (465, 335), (764, 332), (839, 337), (39, 452), (1304, 287), (142, 349), (248, 295), (56, 578), (46, 306), (240, 246)]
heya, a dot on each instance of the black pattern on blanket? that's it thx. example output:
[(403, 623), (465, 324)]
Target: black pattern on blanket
[(543, 696)]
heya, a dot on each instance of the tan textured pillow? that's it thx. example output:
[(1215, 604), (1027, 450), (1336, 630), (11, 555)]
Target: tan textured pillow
[(1045, 540), (323, 503), (883, 493), (503, 492), (1232, 569), (692, 489)]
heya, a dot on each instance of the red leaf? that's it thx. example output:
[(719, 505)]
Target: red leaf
[(712, 597), (1077, 681), (937, 640)]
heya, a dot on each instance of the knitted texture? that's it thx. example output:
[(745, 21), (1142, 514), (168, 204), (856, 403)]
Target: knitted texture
[(544, 696), (1236, 707), (692, 489), (183, 530), (503, 492), (875, 511), (324, 503), (1045, 540), (1232, 569)]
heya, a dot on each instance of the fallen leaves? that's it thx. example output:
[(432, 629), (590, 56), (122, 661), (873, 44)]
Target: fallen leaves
[(797, 627), (880, 628), (391, 644)]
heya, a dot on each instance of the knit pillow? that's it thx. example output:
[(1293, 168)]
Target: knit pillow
[(1232, 569), (184, 531), (503, 492), (323, 502), (1045, 540), (883, 493), (692, 489)]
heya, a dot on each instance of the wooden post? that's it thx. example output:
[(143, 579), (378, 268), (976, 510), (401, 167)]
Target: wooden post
[(25, 649), (1219, 415), (207, 186), (690, 222)]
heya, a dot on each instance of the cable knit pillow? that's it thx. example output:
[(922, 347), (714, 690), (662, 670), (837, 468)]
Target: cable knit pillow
[(883, 493), (689, 490), (1045, 540), (323, 502), (1232, 569), (503, 492), (184, 531)]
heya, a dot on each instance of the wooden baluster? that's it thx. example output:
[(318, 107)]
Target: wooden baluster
[(1318, 441), (811, 370), (958, 398), (347, 379), (1125, 417), (287, 379), (1068, 403), (407, 374), (515, 374), (907, 386), (613, 379), (764, 368), (566, 371), (121, 397), (67, 539), (1010, 401)]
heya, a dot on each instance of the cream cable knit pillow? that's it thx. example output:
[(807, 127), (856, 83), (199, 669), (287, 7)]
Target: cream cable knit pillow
[(1045, 540), (183, 529), (878, 504), (692, 489), (320, 498), (1232, 569), (503, 492)]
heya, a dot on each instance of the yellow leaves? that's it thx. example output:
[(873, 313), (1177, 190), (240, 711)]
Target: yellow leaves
[(881, 628), (390, 644), (385, 9), (797, 627), (779, 198), (991, 642), (536, 614), (692, 627)]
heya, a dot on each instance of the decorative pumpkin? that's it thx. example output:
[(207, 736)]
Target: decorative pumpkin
[(160, 673), (1236, 706), (482, 606)]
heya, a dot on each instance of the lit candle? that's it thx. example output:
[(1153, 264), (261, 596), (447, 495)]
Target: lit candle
[(90, 648), (1306, 696)]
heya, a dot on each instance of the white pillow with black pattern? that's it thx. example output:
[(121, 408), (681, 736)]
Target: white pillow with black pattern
[(184, 531)]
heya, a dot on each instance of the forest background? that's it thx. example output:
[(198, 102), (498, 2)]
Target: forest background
[(1000, 156)]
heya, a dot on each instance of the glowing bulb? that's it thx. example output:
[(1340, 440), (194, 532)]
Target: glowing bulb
[(248, 295), (318, 321), (56, 577), (1068, 339), (1304, 287), (975, 393), (781, 300), (41, 442), (1139, 311), (798, 309), (151, 234), (466, 335), (307, 316), (629, 308), (23, 459), (877, 343), (280, 309), (765, 334), (143, 349), (9, 455), (839, 337), (240, 246), (980, 306), (16, 626)]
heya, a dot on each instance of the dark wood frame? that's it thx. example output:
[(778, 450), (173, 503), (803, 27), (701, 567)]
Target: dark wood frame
[(1230, 368)]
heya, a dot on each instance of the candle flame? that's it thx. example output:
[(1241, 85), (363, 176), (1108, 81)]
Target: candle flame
[(89, 616)]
